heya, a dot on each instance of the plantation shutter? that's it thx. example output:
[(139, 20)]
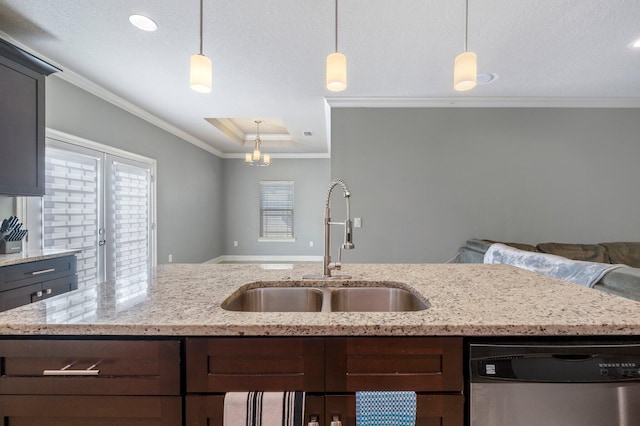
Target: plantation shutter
[(276, 209)]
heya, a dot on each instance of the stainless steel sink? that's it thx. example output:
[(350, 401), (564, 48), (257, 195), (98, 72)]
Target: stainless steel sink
[(272, 298), (375, 299), (276, 299)]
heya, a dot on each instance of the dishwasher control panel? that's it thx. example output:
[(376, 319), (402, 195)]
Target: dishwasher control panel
[(568, 364)]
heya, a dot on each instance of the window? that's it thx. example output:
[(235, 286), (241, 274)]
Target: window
[(276, 210)]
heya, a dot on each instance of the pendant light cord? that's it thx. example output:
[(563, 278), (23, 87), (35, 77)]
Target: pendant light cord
[(201, 13), (336, 26), (466, 24)]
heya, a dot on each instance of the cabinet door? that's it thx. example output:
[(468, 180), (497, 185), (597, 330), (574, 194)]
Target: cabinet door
[(431, 410), (89, 367), (208, 410), (421, 364), (90, 410), (21, 130), (255, 364)]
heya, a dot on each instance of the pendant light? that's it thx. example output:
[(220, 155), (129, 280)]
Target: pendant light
[(256, 158), (200, 75), (336, 66), (465, 69)]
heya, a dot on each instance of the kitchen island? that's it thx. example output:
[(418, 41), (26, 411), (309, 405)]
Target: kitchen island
[(165, 352), (465, 300)]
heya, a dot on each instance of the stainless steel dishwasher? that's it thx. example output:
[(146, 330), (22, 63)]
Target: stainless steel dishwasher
[(554, 384)]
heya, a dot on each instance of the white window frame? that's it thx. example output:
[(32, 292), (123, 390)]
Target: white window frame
[(22, 207), (272, 239)]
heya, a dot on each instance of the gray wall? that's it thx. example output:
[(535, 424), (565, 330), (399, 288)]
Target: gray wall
[(425, 180), (189, 179), (242, 205)]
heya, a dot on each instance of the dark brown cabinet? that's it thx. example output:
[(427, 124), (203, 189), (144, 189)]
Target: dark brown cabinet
[(33, 281), (330, 370), (90, 382), (22, 121)]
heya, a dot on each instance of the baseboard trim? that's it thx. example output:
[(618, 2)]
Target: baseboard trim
[(258, 259)]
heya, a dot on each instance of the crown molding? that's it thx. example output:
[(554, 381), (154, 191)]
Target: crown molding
[(285, 156), (102, 93), (481, 102)]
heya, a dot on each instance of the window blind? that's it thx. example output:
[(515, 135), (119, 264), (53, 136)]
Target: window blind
[(131, 222), (276, 209), (70, 209)]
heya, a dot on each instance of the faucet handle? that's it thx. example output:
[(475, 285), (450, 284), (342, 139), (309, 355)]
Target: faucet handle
[(335, 265)]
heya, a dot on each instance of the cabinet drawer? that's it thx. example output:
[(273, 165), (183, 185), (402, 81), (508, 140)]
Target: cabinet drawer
[(208, 410), (103, 367), (35, 292), (90, 410), (15, 276), (255, 364), (18, 297), (431, 410), (421, 364)]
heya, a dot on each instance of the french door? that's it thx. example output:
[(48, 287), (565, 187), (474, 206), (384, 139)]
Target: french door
[(101, 204)]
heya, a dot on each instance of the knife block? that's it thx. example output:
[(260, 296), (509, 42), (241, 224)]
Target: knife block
[(8, 247)]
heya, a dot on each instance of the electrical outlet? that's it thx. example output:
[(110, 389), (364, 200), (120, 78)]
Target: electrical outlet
[(235, 244), (357, 222), (310, 243), (170, 258)]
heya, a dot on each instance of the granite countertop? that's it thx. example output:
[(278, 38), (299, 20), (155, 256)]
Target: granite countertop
[(465, 300), (32, 256)]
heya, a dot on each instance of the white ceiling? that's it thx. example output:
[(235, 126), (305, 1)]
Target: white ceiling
[(269, 57)]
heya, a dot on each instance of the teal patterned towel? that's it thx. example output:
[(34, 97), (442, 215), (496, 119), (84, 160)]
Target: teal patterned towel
[(385, 408)]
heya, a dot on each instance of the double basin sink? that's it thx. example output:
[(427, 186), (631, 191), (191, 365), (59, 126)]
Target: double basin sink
[(375, 297)]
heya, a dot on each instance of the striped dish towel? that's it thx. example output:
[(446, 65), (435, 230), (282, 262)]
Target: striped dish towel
[(263, 409), (385, 408)]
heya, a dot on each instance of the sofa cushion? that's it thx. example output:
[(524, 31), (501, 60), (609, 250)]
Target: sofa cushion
[(586, 252), (626, 253)]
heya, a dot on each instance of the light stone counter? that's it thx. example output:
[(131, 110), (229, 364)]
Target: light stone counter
[(32, 256), (465, 300)]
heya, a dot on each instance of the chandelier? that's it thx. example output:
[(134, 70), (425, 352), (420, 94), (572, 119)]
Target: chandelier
[(257, 159)]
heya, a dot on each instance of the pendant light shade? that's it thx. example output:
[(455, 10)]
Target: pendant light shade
[(336, 72), (465, 71), (200, 67), (465, 67), (200, 78), (336, 66)]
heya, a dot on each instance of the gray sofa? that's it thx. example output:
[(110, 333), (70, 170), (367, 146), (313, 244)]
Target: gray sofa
[(624, 282)]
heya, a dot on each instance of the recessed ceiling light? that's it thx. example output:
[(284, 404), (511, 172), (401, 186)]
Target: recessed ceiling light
[(484, 79), (634, 44), (142, 22)]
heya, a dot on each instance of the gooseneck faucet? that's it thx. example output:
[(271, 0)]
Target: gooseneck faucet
[(328, 265)]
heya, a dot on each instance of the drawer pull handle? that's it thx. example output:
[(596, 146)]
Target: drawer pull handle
[(65, 371), (44, 271)]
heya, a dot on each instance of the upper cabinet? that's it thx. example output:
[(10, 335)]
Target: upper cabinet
[(22, 121)]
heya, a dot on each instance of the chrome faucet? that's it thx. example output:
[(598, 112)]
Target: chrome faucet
[(328, 265)]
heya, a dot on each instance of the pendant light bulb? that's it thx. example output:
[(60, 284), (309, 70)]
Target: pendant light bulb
[(465, 71), (336, 72), (200, 78)]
